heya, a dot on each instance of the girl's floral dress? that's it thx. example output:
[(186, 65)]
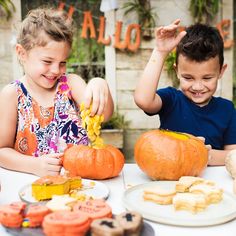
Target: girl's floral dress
[(44, 130)]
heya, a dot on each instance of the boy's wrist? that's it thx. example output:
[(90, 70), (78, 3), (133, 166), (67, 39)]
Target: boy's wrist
[(159, 53)]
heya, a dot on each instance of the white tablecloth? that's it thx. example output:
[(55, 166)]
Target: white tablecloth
[(12, 182)]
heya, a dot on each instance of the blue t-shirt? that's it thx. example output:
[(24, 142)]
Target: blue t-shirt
[(216, 121)]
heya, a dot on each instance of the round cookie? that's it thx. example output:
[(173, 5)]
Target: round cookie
[(94, 209), (35, 214), (11, 215), (106, 226), (131, 222), (62, 223)]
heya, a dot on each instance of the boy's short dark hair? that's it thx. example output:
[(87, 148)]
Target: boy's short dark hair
[(201, 43)]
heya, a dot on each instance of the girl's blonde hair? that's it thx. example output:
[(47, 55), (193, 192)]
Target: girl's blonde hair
[(55, 24)]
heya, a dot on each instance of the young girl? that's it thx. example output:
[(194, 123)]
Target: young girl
[(39, 114)]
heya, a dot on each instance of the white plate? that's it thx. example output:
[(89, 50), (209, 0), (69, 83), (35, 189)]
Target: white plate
[(214, 214), (91, 188)]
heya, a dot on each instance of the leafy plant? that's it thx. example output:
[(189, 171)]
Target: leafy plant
[(85, 50), (117, 121), (7, 7), (169, 66), (204, 11), (146, 15), (86, 58)]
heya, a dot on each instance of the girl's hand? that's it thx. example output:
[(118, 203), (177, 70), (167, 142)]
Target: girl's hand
[(96, 93), (49, 164), (166, 38)]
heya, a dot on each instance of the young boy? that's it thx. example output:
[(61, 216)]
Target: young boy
[(193, 108)]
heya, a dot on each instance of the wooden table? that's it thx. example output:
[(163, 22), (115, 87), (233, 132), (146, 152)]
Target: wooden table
[(131, 175)]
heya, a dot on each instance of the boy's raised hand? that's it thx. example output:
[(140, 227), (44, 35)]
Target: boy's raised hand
[(167, 38), (49, 164), (96, 93)]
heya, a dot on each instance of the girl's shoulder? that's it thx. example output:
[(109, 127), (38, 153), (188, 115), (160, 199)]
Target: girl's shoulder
[(74, 79), (76, 83), (8, 96), (71, 80), (9, 90), (73, 86)]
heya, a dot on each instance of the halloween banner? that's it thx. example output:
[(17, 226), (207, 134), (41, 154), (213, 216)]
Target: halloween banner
[(132, 37)]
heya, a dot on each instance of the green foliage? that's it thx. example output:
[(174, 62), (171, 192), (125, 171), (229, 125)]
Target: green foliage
[(117, 121), (204, 10), (85, 50), (86, 58), (169, 66), (86, 53), (7, 7), (146, 15)]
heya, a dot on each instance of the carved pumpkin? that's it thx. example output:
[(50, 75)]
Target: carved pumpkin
[(167, 155), (93, 163)]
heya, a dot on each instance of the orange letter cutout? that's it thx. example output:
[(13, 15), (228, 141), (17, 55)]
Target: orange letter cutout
[(61, 6), (133, 46), (71, 11), (221, 26), (118, 44), (88, 23), (101, 38)]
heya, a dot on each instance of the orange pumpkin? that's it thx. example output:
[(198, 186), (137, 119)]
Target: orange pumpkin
[(167, 155), (93, 163)]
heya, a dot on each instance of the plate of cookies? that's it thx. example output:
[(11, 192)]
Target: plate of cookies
[(91, 217), (190, 201), (44, 188)]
